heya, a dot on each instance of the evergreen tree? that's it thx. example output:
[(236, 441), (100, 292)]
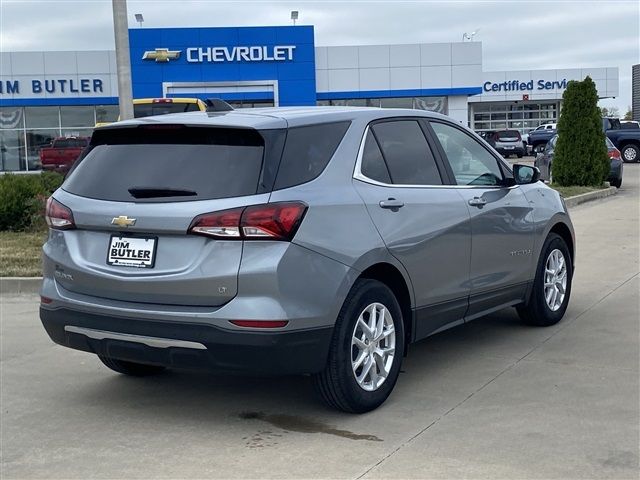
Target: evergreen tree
[(580, 156)]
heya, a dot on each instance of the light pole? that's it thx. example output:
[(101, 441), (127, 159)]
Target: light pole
[(123, 58)]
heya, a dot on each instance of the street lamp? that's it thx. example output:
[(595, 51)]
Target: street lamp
[(294, 16), (139, 19)]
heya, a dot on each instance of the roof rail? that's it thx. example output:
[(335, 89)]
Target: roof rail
[(217, 105)]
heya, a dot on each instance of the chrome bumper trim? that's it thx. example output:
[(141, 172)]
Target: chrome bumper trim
[(127, 337)]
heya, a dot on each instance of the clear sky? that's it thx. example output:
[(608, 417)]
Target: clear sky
[(516, 34)]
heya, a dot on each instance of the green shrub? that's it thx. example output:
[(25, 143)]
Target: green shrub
[(580, 156), (23, 198)]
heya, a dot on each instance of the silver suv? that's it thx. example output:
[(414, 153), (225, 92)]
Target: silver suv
[(300, 240)]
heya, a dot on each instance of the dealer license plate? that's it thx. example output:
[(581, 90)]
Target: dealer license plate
[(138, 252)]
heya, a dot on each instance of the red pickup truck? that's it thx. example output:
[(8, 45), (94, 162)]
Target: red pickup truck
[(62, 153)]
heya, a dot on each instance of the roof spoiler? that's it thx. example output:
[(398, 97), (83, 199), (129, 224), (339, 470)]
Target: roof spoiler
[(217, 105)]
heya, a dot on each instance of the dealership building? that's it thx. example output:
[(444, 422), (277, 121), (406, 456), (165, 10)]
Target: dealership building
[(44, 95)]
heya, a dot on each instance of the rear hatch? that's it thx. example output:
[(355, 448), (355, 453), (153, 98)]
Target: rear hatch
[(508, 138), (133, 198)]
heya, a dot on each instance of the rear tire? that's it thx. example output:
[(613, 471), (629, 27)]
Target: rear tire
[(630, 153), (131, 368), (543, 308), (617, 183), (343, 383)]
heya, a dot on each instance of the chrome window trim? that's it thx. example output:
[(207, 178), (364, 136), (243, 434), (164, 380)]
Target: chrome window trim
[(358, 175), (128, 337)]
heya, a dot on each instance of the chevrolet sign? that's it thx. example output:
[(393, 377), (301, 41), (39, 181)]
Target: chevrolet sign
[(276, 53)]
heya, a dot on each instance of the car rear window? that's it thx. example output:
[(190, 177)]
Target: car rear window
[(508, 136), (307, 152), (150, 109), (169, 163), (71, 143)]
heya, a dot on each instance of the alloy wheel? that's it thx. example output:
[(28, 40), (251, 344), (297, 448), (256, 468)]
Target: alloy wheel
[(373, 346), (555, 280)]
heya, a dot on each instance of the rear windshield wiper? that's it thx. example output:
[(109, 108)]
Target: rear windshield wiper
[(157, 192)]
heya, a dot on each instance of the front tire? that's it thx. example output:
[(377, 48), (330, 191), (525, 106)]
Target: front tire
[(552, 285), (130, 368), (366, 350), (630, 153)]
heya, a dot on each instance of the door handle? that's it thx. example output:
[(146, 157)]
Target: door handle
[(477, 202), (391, 203)]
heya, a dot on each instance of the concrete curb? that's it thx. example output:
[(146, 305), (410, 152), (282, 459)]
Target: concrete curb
[(31, 285), (589, 196), (20, 285)]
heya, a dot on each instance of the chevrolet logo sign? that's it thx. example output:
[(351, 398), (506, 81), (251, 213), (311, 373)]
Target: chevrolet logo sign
[(161, 55), (123, 221)]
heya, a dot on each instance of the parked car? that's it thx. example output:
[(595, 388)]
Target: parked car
[(544, 162), (318, 240), (627, 140), (539, 137), (62, 153), (629, 124), (506, 142)]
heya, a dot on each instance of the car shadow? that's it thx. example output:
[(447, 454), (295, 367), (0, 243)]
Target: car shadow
[(206, 397)]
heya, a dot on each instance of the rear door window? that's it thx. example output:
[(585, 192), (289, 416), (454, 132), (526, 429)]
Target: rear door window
[(307, 152), (169, 163), (407, 153)]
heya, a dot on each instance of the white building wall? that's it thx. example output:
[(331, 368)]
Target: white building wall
[(399, 67), (459, 108), (25, 67)]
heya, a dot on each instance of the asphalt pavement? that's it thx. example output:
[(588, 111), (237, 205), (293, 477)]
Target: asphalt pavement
[(490, 399)]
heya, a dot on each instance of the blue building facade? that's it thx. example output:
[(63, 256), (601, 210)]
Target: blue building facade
[(237, 64)]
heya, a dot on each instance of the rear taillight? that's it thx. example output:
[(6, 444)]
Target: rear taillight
[(615, 153), (162, 100), (223, 224), (58, 216), (271, 221)]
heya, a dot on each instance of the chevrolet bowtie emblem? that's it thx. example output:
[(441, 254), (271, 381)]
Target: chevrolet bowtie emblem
[(123, 221), (161, 55)]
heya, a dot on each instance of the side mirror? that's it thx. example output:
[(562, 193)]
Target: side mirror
[(525, 174)]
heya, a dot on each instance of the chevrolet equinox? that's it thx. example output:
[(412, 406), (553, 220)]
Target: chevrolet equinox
[(307, 240)]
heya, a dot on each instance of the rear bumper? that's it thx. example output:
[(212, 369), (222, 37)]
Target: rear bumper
[(616, 170), (189, 345), (518, 150)]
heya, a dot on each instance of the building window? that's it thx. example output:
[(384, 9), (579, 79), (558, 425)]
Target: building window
[(24, 131), (12, 151), (11, 117), (42, 117), (77, 116), (107, 113), (523, 117)]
